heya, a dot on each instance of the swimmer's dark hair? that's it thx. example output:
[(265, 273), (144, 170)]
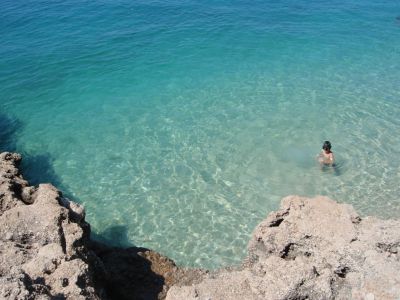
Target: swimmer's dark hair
[(327, 145)]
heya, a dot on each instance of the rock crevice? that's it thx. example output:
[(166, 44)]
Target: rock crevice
[(46, 251), (312, 248)]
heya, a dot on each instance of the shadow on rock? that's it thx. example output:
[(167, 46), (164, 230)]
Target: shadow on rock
[(136, 272), (132, 273)]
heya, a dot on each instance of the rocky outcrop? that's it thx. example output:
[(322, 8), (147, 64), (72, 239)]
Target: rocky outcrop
[(42, 241), (311, 249), (46, 252)]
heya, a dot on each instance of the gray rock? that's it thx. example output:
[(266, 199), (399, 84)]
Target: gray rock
[(40, 244), (46, 252), (311, 249)]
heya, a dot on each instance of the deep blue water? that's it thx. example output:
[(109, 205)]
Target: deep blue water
[(181, 124)]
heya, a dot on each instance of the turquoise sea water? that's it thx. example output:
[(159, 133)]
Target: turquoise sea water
[(180, 124)]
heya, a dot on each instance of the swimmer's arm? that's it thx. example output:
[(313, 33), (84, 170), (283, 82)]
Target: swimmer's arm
[(332, 158)]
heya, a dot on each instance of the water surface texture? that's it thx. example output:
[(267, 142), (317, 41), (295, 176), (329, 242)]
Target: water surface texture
[(180, 124)]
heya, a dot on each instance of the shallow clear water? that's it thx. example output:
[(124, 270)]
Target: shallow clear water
[(181, 124)]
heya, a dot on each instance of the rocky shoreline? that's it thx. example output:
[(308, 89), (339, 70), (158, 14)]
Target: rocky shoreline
[(309, 249), (46, 251)]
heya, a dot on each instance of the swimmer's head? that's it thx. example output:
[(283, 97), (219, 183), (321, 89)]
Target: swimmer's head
[(327, 146)]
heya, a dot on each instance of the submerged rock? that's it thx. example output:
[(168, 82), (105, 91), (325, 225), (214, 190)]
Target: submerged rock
[(311, 249)]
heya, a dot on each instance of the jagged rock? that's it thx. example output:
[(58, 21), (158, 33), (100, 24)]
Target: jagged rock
[(41, 245), (11, 182), (311, 249), (46, 252)]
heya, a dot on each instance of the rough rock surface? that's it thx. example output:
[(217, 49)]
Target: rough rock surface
[(42, 234), (46, 252), (311, 249)]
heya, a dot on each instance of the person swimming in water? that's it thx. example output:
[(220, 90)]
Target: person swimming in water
[(326, 157)]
